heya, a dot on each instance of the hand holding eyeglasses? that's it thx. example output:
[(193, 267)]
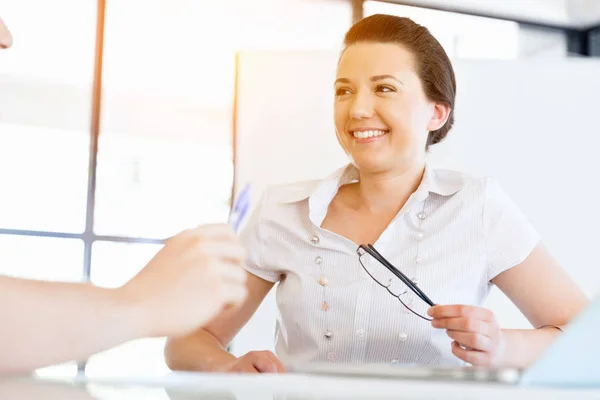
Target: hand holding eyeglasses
[(478, 339)]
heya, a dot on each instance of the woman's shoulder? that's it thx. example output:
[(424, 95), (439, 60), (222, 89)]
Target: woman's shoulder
[(451, 181)]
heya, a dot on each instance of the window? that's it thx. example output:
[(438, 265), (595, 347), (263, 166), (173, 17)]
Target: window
[(53, 259), (165, 151), (165, 158), (157, 185), (462, 36), (45, 105), (44, 183)]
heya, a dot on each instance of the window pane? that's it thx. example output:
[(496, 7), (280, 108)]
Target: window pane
[(44, 183), (113, 264), (45, 105), (49, 43), (41, 258), (462, 36), (156, 187), (165, 156)]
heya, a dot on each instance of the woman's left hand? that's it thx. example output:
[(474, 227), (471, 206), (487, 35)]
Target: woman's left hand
[(478, 340)]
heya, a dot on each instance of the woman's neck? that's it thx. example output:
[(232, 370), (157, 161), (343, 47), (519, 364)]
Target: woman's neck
[(387, 192)]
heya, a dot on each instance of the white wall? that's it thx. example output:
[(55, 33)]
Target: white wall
[(531, 124)]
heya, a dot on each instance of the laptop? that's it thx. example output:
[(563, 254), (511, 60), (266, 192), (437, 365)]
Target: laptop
[(573, 360)]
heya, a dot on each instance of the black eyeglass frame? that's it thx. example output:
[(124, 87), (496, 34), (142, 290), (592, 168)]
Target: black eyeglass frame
[(370, 249)]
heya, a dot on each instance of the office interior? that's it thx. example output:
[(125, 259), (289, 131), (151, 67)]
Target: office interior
[(124, 122)]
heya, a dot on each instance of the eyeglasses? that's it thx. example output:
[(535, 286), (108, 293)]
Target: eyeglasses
[(394, 281)]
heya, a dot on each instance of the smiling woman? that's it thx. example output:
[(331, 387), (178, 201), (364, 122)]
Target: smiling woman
[(453, 236), (427, 87)]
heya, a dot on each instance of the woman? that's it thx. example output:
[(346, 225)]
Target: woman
[(457, 236)]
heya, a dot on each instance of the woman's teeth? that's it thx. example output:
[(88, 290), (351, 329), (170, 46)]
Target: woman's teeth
[(368, 134)]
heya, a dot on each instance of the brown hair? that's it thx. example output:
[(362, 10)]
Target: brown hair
[(432, 63)]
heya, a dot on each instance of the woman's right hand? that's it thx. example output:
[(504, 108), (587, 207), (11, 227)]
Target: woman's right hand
[(256, 362)]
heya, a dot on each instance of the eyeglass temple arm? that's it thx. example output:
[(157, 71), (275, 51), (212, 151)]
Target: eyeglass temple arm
[(399, 274), (373, 252), (376, 255)]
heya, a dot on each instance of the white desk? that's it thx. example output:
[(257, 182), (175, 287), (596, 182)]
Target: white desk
[(180, 386)]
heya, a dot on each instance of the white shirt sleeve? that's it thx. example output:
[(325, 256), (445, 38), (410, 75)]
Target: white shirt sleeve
[(510, 237), (253, 240)]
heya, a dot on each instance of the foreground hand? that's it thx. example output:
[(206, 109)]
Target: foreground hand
[(189, 281), (256, 362), (478, 340)]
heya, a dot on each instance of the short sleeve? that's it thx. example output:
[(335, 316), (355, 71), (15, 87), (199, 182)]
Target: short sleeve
[(509, 236), (253, 240)]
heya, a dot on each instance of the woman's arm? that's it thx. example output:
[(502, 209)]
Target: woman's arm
[(546, 295), (205, 349), (541, 290)]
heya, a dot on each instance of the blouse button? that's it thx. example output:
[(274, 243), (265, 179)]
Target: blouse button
[(314, 240), (328, 335), (323, 281), (318, 260), (420, 235), (394, 361), (403, 336), (421, 215)]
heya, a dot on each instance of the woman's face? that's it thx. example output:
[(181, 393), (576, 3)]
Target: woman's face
[(5, 36), (382, 116)]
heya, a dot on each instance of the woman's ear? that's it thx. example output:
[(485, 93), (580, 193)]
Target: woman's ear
[(441, 113)]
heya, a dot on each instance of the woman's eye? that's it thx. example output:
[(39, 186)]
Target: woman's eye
[(385, 89), (341, 92)]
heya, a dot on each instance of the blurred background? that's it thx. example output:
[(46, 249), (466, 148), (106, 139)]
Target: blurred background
[(118, 117)]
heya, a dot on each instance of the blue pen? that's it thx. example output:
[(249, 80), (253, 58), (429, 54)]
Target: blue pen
[(240, 208)]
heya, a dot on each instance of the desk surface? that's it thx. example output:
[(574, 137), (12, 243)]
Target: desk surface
[(179, 386)]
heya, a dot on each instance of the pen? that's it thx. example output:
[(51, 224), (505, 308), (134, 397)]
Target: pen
[(240, 208)]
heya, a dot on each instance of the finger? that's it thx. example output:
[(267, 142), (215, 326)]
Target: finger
[(473, 357), (267, 364), (231, 273), (204, 232), (231, 251), (465, 325), (245, 367), (216, 231), (472, 340), (461, 310), (278, 363), (208, 230)]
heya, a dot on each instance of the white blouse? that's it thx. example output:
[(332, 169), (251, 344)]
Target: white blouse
[(453, 236)]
